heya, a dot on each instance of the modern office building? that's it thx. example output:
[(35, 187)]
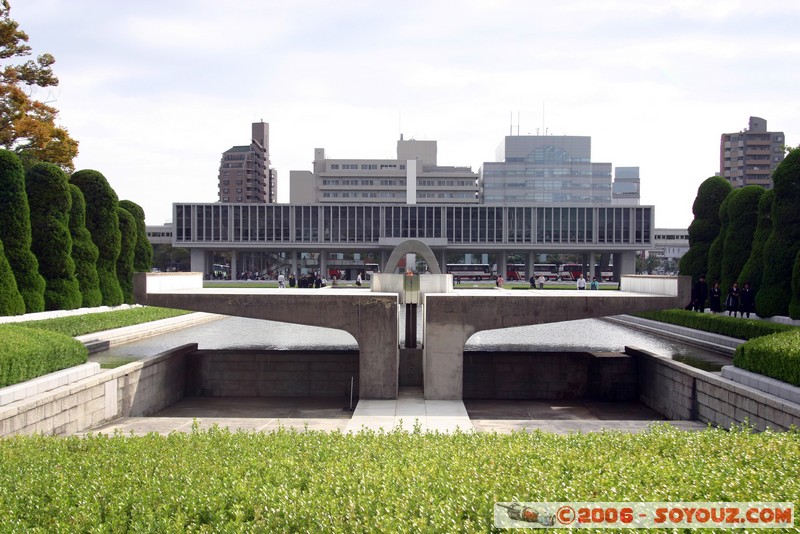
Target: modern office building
[(749, 157), (413, 177), (626, 187), (670, 243), (244, 171), (553, 169)]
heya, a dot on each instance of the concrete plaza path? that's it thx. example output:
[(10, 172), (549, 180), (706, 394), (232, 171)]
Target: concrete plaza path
[(410, 409)]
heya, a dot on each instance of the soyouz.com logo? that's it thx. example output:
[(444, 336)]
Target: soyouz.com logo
[(643, 514)]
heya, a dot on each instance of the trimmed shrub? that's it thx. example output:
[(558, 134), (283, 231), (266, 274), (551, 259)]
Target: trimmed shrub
[(783, 244), (794, 304), (11, 302), (776, 356), (288, 481), (742, 221), (753, 270), (102, 222), (717, 324), (127, 227), (15, 232), (27, 353), (143, 256), (84, 252), (88, 323), (705, 226), (717, 249), (50, 204)]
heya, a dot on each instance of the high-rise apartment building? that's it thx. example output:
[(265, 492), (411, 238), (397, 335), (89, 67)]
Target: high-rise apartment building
[(244, 171), (554, 169), (749, 157), (414, 177)]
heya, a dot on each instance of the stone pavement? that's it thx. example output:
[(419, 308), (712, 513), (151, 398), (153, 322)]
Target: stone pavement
[(410, 409)]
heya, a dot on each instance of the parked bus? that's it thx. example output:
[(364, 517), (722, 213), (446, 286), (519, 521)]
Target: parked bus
[(571, 271), (548, 270), (515, 271), (470, 271)]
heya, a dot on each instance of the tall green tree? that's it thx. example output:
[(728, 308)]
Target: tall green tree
[(27, 124), (50, 203), (783, 243), (742, 221), (754, 268), (15, 232), (127, 227), (705, 226), (84, 252), (11, 302), (794, 303), (102, 221), (143, 255), (717, 249)]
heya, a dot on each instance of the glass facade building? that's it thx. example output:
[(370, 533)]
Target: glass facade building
[(546, 168)]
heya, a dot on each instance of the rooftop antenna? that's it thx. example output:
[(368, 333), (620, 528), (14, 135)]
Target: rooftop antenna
[(510, 123), (517, 123), (543, 128)]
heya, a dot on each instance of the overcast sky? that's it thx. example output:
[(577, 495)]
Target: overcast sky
[(156, 90)]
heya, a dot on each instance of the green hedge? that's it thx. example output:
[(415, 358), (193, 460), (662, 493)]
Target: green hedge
[(717, 324), (776, 356), (102, 222), (11, 302), (88, 323), (27, 353), (15, 232), (127, 228), (286, 481), (84, 252), (50, 203)]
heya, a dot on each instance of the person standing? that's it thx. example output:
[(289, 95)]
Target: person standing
[(732, 301), (581, 282), (747, 300), (594, 284), (533, 281), (715, 298), (541, 281), (700, 294), (281, 281)]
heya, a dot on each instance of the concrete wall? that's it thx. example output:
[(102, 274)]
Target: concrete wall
[(281, 373), (136, 389), (549, 375), (678, 391)]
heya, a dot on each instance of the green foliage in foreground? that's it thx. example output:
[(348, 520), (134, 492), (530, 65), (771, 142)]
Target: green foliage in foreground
[(87, 323), (26, 353), (717, 324), (776, 356), (286, 481)]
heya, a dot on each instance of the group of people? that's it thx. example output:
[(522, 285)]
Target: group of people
[(737, 300), (308, 280), (581, 283), (537, 281)]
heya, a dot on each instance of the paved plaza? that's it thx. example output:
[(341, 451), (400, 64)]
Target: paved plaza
[(408, 411)]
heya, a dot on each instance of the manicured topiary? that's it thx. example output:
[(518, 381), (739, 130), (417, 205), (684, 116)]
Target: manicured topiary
[(11, 302), (783, 244), (776, 356), (754, 268), (143, 255), (50, 204), (102, 222), (27, 353), (742, 221), (794, 304), (705, 227), (717, 249), (127, 227), (15, 232), (84, 252)]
